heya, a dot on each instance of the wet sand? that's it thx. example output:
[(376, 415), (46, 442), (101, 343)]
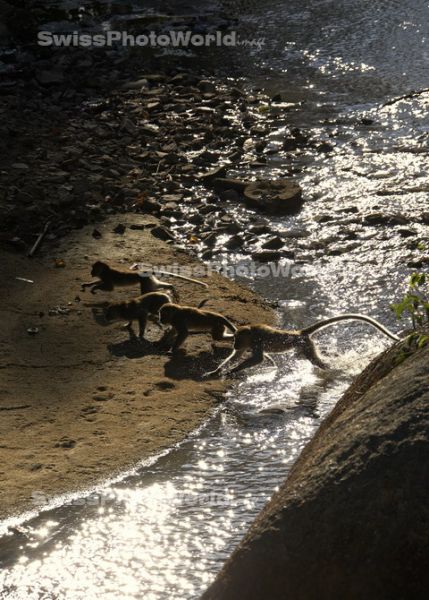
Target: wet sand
[(80, 402)]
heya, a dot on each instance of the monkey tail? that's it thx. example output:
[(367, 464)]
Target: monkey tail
[(229, 325), (158, 272), (349, 317)]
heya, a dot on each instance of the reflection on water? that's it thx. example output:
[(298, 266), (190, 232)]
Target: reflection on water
[(165, 532)]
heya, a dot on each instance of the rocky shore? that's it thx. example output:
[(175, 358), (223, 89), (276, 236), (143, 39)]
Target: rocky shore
[(351, 520)]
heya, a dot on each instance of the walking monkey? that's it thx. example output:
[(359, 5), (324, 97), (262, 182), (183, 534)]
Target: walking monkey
[(186, 320), (260, 339), (108, 278), (137, 309)]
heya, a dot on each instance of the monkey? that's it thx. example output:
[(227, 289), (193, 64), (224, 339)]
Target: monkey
[(260, 339), (109, 278), (137, 309), (187, 319)]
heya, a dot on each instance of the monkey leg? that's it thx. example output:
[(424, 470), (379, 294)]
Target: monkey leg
[(83, 286), (234, 354), (100, 285), (142, 325), (308, 349), (182, 334), (270, 359), (255, 359), (129, 328), (155, 320), (218, 332)]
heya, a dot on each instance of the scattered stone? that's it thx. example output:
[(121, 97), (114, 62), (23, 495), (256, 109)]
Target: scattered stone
[(297, 233), (223, 183), (120, 229), (384, 219), (219, 172), (231, 195), (235, 242), (162, 233), (406, 232), (36, 466), (325, 147), (65, 443), (274, 243), (147, 205), (281, 196), (50, 77), (266, 256), (207, 86), (260, 228)]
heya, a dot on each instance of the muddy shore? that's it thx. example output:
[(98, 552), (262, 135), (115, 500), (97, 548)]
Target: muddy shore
[(80, 402)]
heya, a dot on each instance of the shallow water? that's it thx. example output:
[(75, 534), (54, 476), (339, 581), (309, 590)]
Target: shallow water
[(165, 531)]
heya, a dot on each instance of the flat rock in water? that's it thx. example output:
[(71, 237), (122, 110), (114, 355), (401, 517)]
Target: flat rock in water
[(283, 196)]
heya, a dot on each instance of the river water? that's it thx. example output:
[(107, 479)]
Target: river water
[(164, 531)]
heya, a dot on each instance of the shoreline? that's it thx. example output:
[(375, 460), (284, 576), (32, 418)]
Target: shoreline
[(93, 403)]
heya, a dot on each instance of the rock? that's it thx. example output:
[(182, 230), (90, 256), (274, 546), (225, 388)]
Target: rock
[(205, 209), (325, 147), (234, 157), (281, 196), (224, 183), (50, 77), (405, 232), (65, 442), (196, 219), (148, 205), (138, 84), (266, 256), (352, 519), (20, 166), (274, 410), (274, 243), (260, 228), (162, 233), (231, 195), (297, 233), (290, 144), (207, 86), (119, 229), (235, 242), (384, 219)]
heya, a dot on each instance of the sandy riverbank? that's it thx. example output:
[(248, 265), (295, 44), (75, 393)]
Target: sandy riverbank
[(80, 402)]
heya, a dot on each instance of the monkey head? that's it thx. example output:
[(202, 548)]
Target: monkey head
[(99, 268)]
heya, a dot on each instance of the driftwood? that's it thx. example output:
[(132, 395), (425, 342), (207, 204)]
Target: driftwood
[(39, 240)]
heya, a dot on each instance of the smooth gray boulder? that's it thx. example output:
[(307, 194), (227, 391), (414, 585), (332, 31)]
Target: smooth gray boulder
[(351, 522)]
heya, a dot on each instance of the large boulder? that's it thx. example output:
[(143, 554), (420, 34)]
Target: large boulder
[(352, 519)]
